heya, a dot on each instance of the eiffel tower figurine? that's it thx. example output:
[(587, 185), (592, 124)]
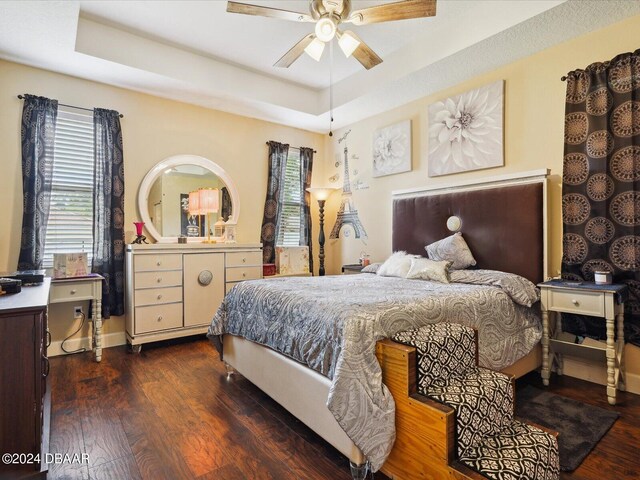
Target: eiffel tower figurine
[(347, 213)]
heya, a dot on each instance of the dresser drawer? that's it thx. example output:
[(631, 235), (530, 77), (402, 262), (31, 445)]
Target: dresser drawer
[(158, 296), (171, 278), (584, 303), (237, 274), (146, 263), (237, 259), (158, 317), (67, 291)]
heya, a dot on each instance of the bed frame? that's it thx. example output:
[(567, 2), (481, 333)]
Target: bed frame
[(504, 221)]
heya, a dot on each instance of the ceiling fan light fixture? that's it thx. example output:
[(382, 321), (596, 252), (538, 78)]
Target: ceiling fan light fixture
[(315, 49), (326, 29), (348, 43)]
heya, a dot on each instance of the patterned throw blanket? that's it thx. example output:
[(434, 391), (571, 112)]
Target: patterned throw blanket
[(332, 324)]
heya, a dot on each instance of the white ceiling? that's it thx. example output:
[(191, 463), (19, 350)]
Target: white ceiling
[(194, 51)]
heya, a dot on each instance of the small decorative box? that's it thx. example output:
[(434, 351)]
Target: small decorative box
[(603, 277), (290, 260), (268, 269), (66, 265)]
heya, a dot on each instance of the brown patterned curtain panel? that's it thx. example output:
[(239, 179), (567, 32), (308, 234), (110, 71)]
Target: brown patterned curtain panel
[(39, 116), (269, 234), (306, 167), (108, 210), (601, 183)]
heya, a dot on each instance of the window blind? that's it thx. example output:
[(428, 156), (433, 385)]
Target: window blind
[(70, 225), (292, 201)]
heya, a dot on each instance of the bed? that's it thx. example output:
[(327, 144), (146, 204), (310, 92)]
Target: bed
[(321, 363)]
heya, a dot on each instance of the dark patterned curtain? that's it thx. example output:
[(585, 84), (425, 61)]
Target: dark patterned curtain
[(39, 116), (277, 162), (227, 209), (108, 210), (306, 165), (601, 184)]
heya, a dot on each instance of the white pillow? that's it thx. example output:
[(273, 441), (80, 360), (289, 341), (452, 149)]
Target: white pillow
[(453, 249), (397, 265), (425, 269)]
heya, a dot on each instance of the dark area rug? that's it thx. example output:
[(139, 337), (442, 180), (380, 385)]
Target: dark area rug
[(580, 426)]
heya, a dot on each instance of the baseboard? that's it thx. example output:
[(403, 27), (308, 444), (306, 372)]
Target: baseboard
[(596, 373), (108, 340)]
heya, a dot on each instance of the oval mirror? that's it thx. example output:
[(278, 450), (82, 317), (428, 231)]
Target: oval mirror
[(163, 199)]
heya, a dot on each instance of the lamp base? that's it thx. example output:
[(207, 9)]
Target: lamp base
[(209, 241)]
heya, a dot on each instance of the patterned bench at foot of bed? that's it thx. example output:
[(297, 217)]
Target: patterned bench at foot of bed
[(489, 440)]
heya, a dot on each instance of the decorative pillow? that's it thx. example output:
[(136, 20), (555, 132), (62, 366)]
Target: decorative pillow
[(521, 290), (425, 269), (452, 249), (371, 268), (397, 265)]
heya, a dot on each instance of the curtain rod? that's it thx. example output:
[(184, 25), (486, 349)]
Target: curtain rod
[(296, 148), (73, 106)]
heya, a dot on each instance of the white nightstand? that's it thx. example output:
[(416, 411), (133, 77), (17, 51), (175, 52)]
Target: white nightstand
[(604, 301)]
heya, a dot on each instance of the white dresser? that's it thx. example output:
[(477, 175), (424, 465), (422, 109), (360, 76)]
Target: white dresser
[(174, 290)]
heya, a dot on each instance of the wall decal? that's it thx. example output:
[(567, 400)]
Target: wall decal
[(392, 149), (465, 131), (347, 214)]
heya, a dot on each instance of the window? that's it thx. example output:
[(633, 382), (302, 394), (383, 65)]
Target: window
[(70, 226), (292, 203)]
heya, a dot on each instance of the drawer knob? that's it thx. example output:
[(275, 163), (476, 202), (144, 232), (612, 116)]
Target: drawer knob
[(159, 279), (159, 297), (244, 274), (159, 318), (244, 260), (575, 302), (159, 263), (73, 292)]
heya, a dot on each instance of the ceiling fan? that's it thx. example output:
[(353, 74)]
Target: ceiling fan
[(328, 15)]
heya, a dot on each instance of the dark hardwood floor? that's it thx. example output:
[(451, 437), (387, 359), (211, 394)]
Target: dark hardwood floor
[(170, 413)]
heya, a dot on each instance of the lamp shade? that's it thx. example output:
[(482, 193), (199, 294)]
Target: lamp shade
[(321, 193), (315, 49), (194, 203), (348, 42), (209, 202)]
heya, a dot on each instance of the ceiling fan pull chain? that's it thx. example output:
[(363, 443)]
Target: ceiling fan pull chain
[(331, 88)]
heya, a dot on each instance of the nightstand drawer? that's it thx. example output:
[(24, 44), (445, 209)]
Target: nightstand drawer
[(583, 303), (144, 263), (238, 274), (160, 317), (68, 291), (238, 259), (158, 296), (158, 279)]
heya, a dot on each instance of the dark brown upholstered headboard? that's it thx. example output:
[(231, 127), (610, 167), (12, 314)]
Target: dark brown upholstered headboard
[(503, 226)]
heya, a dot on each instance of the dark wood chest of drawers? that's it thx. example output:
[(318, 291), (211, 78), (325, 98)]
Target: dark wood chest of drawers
[(24, 394)]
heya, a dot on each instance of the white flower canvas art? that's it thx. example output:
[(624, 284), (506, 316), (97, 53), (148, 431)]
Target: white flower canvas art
[(392, 149), (465, 131)]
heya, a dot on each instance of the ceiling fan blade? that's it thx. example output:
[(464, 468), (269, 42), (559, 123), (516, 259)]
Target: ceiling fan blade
[(394, 11), (367, 57), (247, 9), (293, 54)]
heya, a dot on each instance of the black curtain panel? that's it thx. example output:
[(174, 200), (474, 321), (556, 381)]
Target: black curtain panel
[(39, 116), (306, 166), (277, 162), (227, 208), (108, 210), (601, 184)]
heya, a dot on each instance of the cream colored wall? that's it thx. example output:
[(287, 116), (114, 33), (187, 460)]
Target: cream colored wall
[(533, 137), (153, 129)]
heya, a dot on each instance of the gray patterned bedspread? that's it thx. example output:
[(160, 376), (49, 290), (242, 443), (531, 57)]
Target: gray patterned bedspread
[(332, 324)]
